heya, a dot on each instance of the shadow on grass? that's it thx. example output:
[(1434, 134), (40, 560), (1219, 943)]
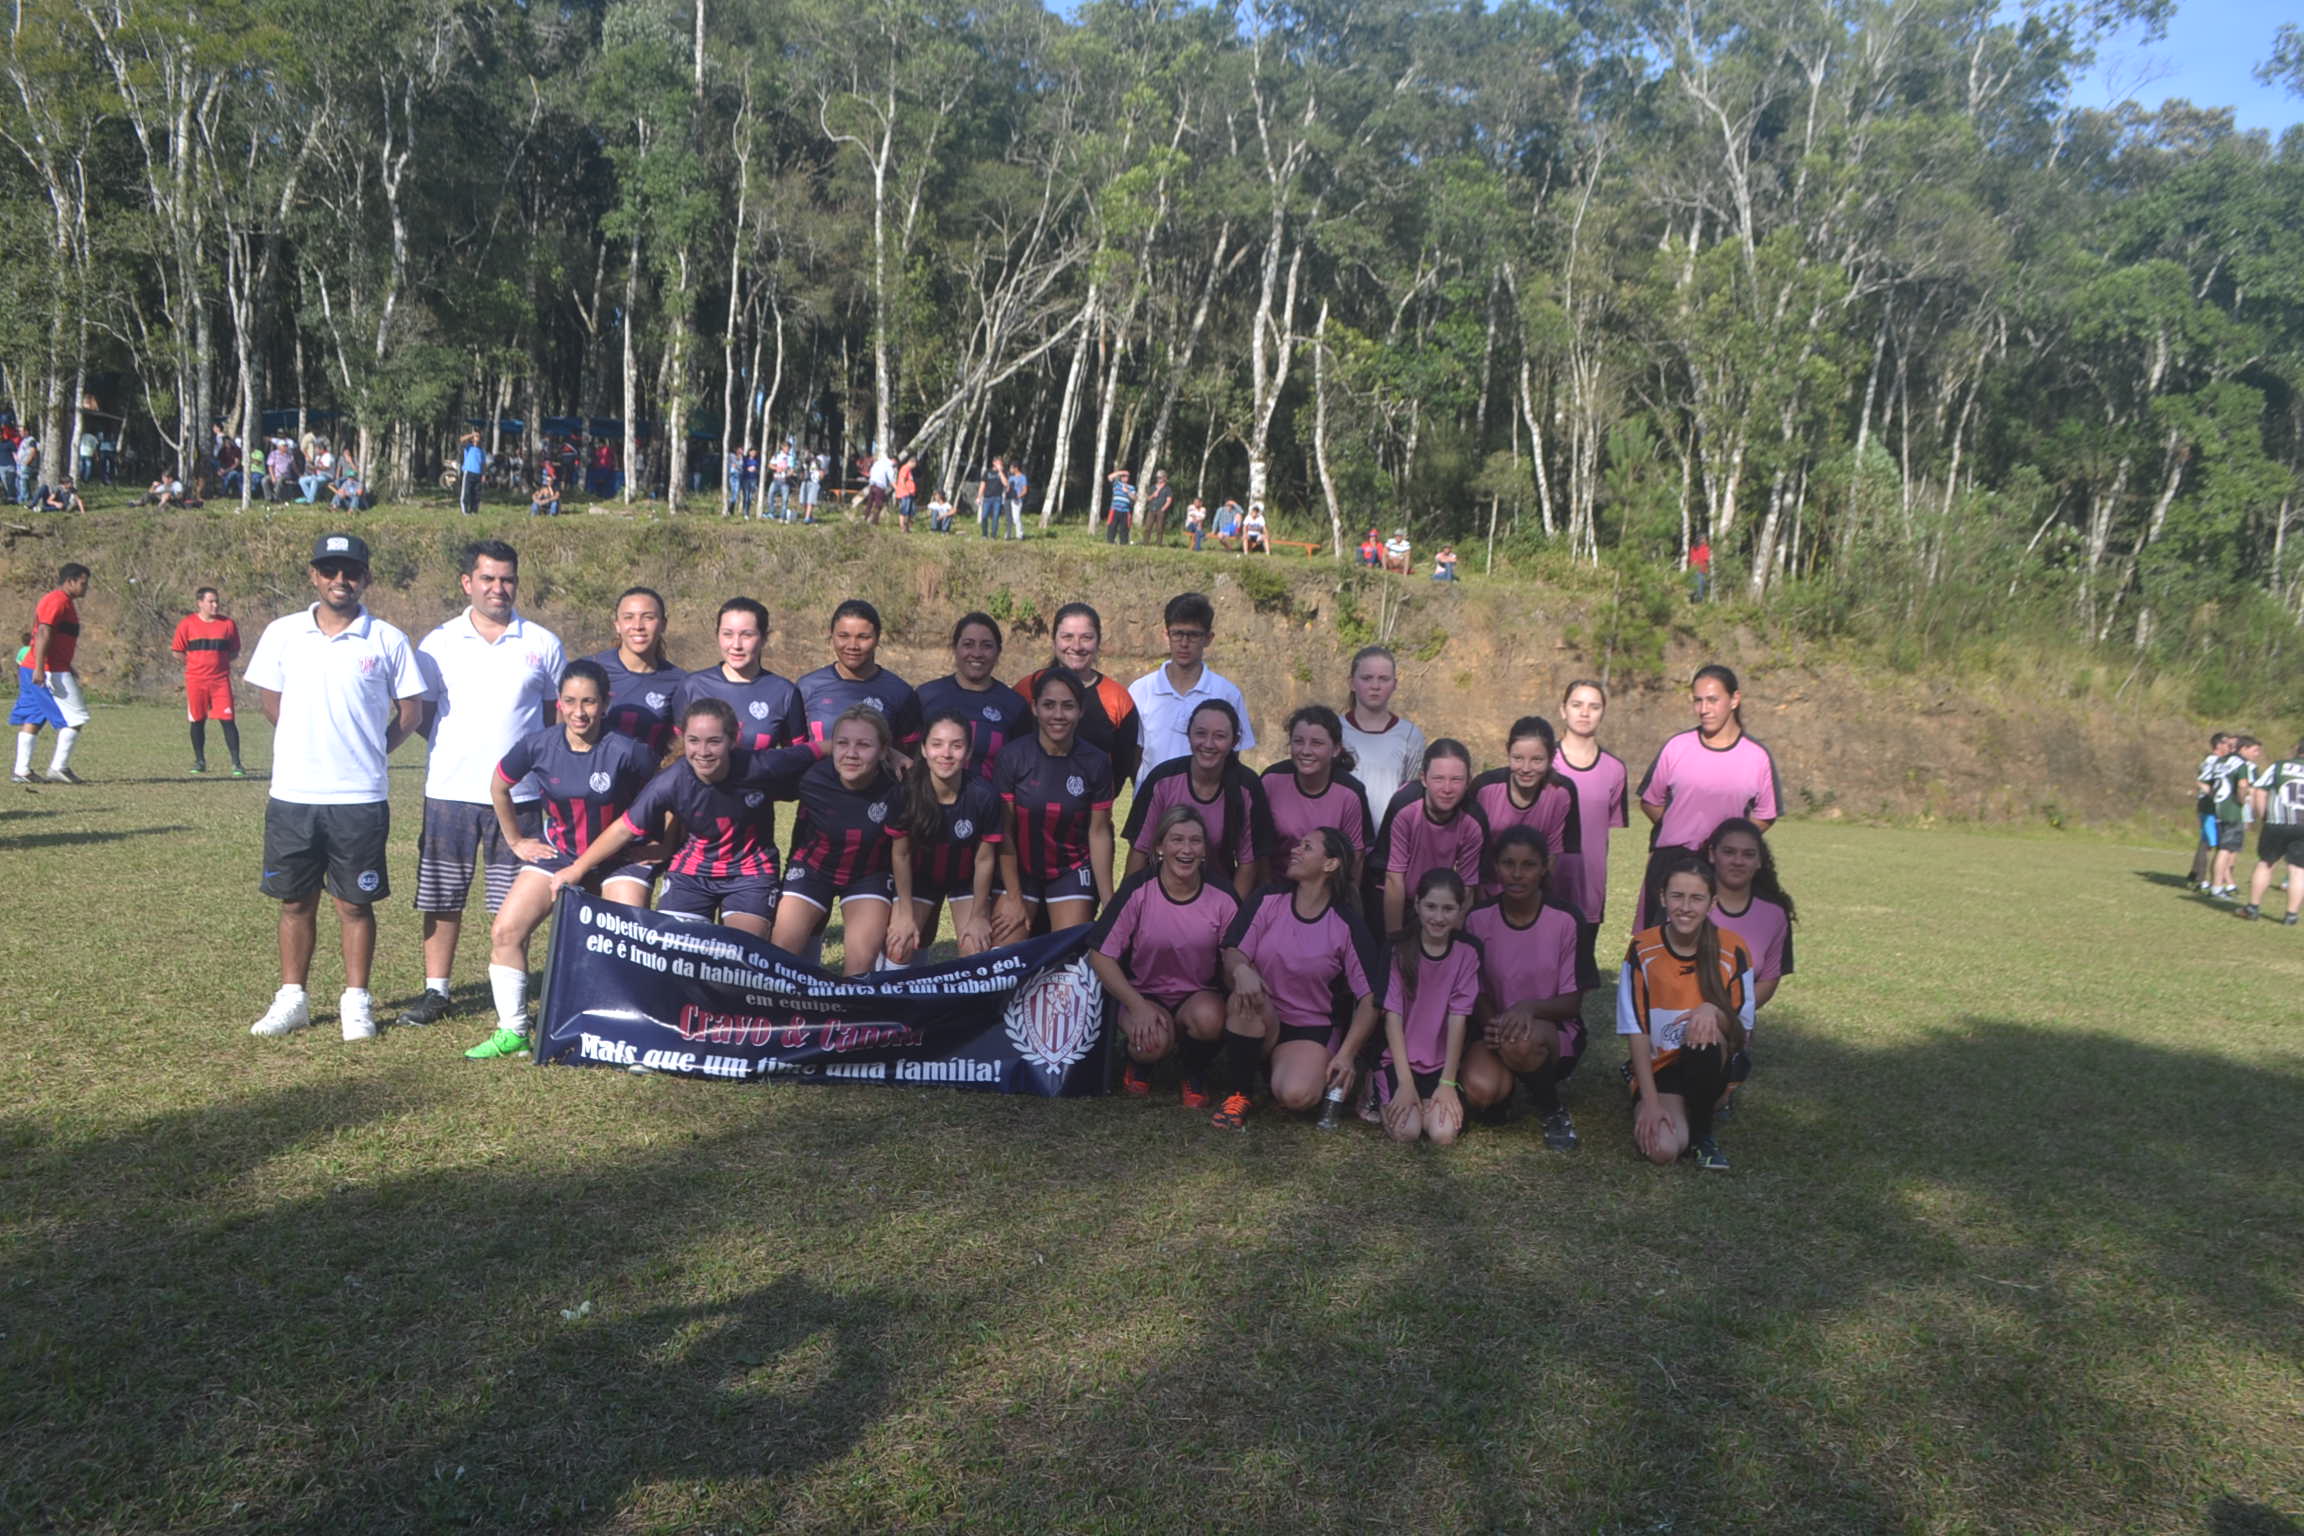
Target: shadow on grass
[(1932, 1295), (35, 840), (2163, 878)]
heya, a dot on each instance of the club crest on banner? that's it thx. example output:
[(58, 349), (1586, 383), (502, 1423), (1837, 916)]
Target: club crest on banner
[(1054, 1020)]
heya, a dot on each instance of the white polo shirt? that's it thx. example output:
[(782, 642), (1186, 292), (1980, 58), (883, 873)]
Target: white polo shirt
[(337, 695), (1165, 715), (486, 697)]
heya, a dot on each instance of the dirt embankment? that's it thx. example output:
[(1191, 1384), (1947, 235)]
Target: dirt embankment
[(1848, 741)]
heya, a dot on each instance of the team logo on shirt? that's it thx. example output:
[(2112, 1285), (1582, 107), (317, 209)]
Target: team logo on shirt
[(875, 703), (367, 666), (963, 829), (752, 800), (759, 709), (878, 811), (1075, 785), (992, 713), (1054, 1020), (656, 701), (600, 783), (369, 880)]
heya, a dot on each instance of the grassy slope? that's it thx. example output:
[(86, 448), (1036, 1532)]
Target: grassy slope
[(2011, 1244)]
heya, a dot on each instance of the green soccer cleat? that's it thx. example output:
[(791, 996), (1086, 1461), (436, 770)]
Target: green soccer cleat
[(505, 1042)]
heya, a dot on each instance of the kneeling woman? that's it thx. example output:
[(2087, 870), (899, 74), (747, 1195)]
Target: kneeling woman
[(848, 846), (1159, 950), (1056, 862), (1684, 998), (589, 775), (726, 864), (1293, 948), (953, 816), (1531, 978), (1431, 1069)]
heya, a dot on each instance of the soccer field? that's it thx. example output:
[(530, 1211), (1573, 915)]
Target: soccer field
[(2014, 1241)]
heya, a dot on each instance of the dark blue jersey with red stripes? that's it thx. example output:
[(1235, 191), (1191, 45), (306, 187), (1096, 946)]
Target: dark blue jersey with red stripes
[(768, 712), (730, 825), (825, 696), (1054, 799), (996, 716), (842, 833), (640, 703), (583, 791), (944, 855)]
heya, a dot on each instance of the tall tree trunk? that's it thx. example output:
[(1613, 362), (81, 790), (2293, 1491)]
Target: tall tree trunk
[(631, 371), (1320, 434)]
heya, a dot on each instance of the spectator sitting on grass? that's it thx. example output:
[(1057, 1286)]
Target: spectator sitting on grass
[(1444, 563), (1396, 551), (546, 501), (59, 498), (349, 489), (167, 491), (1372, 549), (940, 512), (1254, 540)]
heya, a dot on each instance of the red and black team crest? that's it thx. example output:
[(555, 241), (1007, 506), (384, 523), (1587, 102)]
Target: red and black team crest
[(1054, 1020)]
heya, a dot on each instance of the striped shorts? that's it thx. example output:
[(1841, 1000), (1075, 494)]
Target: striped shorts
[(458, 835)]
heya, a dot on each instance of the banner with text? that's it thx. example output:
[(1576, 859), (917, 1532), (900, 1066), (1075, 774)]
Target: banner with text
[(627, 987)]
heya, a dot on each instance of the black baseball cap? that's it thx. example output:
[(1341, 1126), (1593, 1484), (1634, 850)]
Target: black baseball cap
[(340, 546)]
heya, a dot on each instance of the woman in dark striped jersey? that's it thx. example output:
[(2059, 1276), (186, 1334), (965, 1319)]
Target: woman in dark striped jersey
[(1056, 861)]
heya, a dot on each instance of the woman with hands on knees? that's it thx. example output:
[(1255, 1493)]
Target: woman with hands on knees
[(1684, 1001), (1158, 949), (1295, 952), (1056, 861), (955, 820), (849, 846), (1431, 1067)]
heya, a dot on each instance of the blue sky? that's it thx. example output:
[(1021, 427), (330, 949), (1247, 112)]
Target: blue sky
[(2208, 57)]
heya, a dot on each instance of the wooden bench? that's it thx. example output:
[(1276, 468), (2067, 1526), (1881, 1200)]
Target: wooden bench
[(1304, 546)]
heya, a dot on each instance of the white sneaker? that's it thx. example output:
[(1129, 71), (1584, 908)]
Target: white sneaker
[(358, 1011), (290, 1011)]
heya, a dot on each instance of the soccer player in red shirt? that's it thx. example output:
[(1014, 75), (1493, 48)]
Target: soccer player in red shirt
[(47, 690), (208, 642)]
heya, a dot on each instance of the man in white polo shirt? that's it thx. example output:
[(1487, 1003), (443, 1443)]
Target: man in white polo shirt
[(493, 677), (1166, 696), (342, 690)]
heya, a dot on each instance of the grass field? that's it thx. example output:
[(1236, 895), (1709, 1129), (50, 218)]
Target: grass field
[(2014, 1242)]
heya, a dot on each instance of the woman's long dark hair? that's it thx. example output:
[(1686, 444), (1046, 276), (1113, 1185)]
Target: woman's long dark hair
[(1340, 892), (1765, 883), (923, 812), (1234, 790), (1408, 943)]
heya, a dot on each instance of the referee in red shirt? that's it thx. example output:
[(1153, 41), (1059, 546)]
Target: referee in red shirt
[(208, 642)]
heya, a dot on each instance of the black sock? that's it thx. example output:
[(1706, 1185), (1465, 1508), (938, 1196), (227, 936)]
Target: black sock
[(1244, 1054), (199, 741), (1193, 1055), (1703, 1078), (1543, 1086), (231, 740)]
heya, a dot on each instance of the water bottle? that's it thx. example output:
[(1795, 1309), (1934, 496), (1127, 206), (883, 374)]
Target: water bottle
[(1331, 1109)]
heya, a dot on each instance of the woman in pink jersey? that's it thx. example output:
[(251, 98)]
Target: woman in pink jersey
[(1431, 1068), (1701, 778), (1296, 954), (1314, 787), (1599, 778), (1752, 904), (1525, 792), (1211, 780), (1158, 949), (1531, 979), (1437, 827)]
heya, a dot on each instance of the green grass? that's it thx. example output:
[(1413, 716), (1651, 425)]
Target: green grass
[(2013, 1243)]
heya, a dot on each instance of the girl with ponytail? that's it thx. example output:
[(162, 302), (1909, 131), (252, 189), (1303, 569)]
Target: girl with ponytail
[(1684, 1003)]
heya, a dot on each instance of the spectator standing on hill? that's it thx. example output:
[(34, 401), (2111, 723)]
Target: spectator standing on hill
[(1019, 487), (812, 487), (879, 487), (1157, 501), (47, 689), (88, 442), (907, 490), (474, 465), (1700, 571), (1120, 509), (342, 689), (207, 641), (780, 466), (991, 499), (493, 678), (27, 467), (1166, 696)]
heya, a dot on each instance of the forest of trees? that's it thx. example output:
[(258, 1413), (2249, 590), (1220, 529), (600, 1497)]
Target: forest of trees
[(1849, 287)]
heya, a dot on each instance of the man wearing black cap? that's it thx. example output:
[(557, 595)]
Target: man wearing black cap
[(342, 689)]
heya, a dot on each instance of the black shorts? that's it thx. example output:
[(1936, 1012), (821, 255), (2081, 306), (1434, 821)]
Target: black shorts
[(814, 887), (2231, 836), (458, 834), (703, 895), (1067, 885), (2273, 844), (964, 890), (1427, 1084), (1672, 1078), (644, 873), (1587, 962), (1324, 1036), (343, 842)]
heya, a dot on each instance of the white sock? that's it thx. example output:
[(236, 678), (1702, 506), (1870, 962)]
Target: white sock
[(291, 989), (63, 758), (510, 984), (356, 995), (25, 742), (437, 984)]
